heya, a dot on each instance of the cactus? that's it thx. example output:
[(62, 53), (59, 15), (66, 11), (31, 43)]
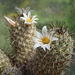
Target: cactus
[(21, 33), (21, 38), (4, 61), (49, 57), (56, 60), (11, 71)]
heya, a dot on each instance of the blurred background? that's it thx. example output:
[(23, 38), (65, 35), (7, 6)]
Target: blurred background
[(46, 11)]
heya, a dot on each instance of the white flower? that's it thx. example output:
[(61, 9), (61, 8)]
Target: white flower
[(10, 21), (29, 19), (43, 40), (21, 11)]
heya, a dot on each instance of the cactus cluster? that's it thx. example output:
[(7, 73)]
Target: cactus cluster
[(49, 53)]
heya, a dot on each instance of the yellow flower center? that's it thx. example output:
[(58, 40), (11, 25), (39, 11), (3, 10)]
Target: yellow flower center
[(29, 20), (45, 40)]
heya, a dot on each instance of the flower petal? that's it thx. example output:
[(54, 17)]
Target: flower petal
[(27, 9), (48, 46), (43, 46), (34, 22), (24, 14), (37, 34), (35, 19), (10, 21), (29, 14), (36, 40), (53, 39), (35, 46), (27, 22), (34, 16), (44, 31), (22, 18), (20, 11)]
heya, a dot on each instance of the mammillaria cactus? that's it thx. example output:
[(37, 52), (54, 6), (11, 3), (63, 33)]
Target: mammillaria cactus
[(48, 53), (21, 33), (4, 61), (55, 60)]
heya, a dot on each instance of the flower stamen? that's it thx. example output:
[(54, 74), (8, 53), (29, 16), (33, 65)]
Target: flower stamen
[(45, 40), (29, 20)]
